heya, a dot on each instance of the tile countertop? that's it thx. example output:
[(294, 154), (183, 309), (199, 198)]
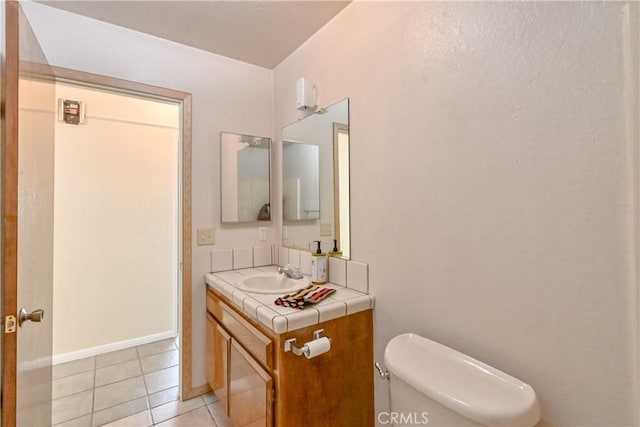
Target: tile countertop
[(261, 307)]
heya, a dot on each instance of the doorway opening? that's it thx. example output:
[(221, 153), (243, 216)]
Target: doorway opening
[(116, 253), (136, 187)]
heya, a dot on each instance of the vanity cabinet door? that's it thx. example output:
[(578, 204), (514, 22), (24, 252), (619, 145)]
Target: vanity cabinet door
[(250, 390), (218, 349)]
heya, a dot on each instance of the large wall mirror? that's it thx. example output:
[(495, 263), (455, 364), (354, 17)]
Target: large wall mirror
[(315, 180), (244, 178)]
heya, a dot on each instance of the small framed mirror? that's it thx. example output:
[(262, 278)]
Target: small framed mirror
[(245, 190)]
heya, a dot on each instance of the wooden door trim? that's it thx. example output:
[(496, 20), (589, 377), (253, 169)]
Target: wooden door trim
[(10, 210), (118, 85)]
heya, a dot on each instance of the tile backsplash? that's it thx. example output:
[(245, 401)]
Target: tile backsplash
[(350, 274), (337, 271), (262, 256), (242, 258), (221, 260), (358, 276), (346, 273)]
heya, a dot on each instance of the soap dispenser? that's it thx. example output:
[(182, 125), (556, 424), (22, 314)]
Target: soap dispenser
[(335, 252), (319, 266)]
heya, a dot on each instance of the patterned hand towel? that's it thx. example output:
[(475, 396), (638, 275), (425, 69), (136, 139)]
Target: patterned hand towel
[(312, 294)]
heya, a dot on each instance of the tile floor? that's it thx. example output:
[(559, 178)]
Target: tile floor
[(134, 387)]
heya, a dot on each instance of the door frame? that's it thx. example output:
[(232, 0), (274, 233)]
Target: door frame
[(183, 99)]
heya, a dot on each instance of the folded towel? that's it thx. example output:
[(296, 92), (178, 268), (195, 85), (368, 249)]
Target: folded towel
[(312, 294)]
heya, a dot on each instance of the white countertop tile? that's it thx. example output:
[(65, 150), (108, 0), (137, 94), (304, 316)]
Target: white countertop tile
[(284, 311), (262, 308), (342, 294), (303, 318), (280, 324), (266, 299), (266, 316), (226, 289), (238, 298), (229, 276), (332, 310), (361, 303), (251, 307)]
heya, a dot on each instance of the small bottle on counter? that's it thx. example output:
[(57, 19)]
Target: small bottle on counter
[(319, 266), (335, 251)]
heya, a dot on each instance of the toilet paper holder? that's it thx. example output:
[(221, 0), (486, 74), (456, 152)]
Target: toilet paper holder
[(290, 344)]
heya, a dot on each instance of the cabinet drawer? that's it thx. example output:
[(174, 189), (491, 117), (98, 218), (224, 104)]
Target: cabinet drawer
[(255, 342)]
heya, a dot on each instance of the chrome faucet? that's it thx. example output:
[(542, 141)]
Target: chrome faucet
[(288, 271)]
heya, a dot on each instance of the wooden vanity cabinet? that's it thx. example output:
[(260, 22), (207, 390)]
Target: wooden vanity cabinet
[(266, 386)]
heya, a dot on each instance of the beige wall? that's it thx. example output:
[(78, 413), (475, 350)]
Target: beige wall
[(116, 223), (491, 189)]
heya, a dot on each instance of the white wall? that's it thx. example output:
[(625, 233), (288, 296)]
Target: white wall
[(228, 95), (115, 223), (491, 190)]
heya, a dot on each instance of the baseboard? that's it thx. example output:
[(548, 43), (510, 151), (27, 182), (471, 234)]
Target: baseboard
[(106, 348)]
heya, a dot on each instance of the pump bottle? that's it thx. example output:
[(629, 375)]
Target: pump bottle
[(319, 266), (335, 251)]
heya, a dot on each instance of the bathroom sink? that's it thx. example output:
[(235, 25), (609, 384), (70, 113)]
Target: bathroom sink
[(271, 283)]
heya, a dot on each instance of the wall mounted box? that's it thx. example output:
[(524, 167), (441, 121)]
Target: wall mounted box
[(305, 94)]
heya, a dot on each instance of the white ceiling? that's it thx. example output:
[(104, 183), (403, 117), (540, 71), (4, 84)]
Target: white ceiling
[(259, 32)]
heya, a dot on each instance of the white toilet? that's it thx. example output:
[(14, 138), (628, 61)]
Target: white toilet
[(434, 385)]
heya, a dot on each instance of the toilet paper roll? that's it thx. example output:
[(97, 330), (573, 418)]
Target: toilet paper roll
[(317, 347)]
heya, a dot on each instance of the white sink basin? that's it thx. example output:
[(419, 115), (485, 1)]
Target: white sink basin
[(271, 283)]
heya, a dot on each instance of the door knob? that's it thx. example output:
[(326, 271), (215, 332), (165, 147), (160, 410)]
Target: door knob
[(34, 316)]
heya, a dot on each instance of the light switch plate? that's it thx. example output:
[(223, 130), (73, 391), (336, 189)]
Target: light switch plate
[(325, 229), (206, 236)]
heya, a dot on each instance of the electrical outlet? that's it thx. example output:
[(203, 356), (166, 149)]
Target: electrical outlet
[(325, 229), (206, 236), (262, 234)]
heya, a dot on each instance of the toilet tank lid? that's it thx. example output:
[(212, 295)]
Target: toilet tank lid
[(461, 383)]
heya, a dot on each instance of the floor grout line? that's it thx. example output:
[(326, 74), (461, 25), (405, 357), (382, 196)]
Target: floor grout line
[(93, 401), (146, 388)]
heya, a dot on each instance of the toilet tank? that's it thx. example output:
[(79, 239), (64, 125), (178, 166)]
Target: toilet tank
[(435, 385)]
